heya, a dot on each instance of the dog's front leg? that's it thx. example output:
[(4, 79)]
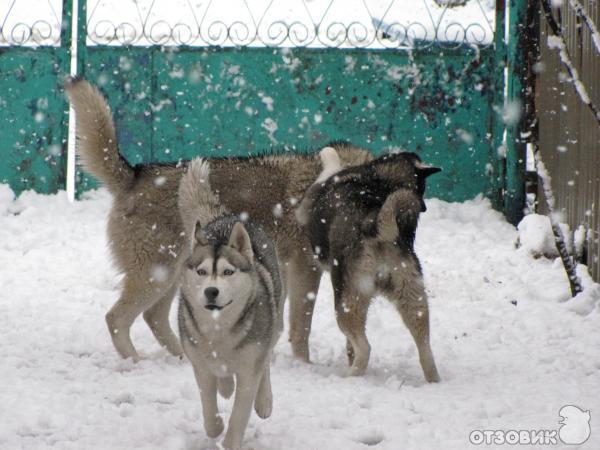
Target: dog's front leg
[(263, 404), (207, 382), (245, 393)]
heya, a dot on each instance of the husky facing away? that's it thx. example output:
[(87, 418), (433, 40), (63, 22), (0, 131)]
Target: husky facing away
[(361, 223), (231, 306), (146, 233)]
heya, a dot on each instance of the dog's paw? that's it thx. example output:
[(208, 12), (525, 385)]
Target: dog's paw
[(433, 378), (232, 443), (263, 405), (226, 385), (214, 427), (357, 371)]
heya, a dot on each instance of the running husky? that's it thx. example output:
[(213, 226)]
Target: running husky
[(145, 230), (231, 306), (361, 223)]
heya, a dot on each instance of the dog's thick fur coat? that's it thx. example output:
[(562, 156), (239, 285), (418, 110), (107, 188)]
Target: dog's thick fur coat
[(231, 306), (147, 236), (361, 222)]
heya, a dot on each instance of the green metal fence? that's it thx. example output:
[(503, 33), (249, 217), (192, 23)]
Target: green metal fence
[(33, 126), (443, 100)]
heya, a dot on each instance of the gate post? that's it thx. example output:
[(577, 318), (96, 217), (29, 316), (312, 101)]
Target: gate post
[(74, 39), (520, 55)]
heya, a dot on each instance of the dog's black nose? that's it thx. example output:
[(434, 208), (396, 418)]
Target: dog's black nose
[(211, 293)]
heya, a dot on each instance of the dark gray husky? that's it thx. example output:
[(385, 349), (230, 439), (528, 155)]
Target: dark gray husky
[(361, 222), (231, 306)]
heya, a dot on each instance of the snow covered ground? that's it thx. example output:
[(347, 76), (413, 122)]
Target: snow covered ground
[(510, 349)]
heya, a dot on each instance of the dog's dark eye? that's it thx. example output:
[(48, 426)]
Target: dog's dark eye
[(227, 272), (201, 272)]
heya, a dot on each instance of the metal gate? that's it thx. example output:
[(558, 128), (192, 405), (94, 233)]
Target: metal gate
[(245, 82), (33, 127)]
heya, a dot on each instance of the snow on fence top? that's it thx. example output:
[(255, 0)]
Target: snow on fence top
[(260, 23), (30, 22)]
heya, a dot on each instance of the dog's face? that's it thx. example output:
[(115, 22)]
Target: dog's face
[(221, 278)]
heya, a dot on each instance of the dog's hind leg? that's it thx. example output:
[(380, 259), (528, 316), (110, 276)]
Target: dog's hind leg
[(121, 316), (411, 302), (137, 295), (157, 318), (351, 309), (263, 403), (303, 284), (351, 315)]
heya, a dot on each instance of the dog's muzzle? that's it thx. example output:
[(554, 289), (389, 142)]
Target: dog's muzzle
[(215, 307)]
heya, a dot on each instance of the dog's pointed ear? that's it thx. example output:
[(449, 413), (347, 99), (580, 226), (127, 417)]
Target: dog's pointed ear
[(199, 237), (240, 240), (424, 170)]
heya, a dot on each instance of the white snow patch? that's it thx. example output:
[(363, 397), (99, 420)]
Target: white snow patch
[(7, 196), (537, 238), (580, 236), (160, 180), (268, 101), (278, 210), (271, 127), (503, 329)]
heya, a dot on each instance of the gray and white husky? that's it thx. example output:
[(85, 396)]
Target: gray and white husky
[(361, 222), (231, 306)]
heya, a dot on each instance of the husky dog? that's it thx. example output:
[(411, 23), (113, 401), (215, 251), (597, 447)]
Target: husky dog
[(231, 306), (361, 224), (146, 233)]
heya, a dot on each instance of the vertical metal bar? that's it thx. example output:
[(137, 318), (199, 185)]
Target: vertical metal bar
[(81, 36), (517, 64), (67, 11), (498, 99), (66, 41), (74, 41), (75, 33)]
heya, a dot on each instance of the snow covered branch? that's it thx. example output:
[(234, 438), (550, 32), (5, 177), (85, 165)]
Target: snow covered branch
[(559, 239), (582, 13)]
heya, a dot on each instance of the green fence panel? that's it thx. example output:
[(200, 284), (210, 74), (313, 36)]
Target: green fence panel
[(173, 104), (129, 94), (33, 111), (32, 118)]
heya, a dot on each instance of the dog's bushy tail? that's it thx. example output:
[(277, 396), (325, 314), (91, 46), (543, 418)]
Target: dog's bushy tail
[(397, 220), (197, 203), (96, 136), (330, 161)]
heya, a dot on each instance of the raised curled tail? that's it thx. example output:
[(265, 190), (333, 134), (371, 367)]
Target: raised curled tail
[(96, 136), (331, 164), (398, 217), (197, 202), (330, 160)]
